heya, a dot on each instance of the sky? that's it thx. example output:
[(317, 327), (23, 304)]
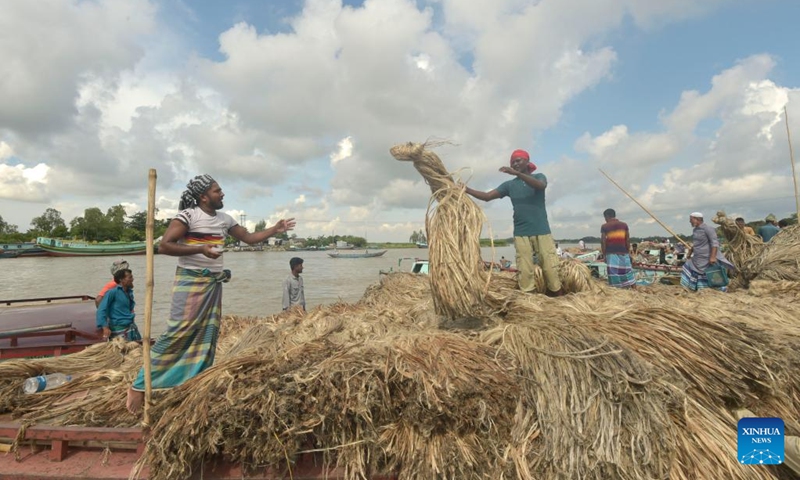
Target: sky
[(292, 106)]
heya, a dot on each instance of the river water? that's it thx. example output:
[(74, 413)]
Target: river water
[(255, 289)]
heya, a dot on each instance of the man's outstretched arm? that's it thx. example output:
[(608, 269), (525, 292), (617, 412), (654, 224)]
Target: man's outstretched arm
[(485, 196)]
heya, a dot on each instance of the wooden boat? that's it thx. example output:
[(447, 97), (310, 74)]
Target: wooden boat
[(27, 249), (646, 273), (365, 254), (65, 248), (47, 326)]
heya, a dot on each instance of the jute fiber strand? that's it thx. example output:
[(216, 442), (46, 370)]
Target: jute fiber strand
[(453, 224)]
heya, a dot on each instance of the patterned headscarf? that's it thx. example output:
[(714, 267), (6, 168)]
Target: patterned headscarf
[(118, 265), (196, 187)]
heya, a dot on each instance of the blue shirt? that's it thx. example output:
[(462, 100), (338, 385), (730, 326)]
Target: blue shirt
[(116, 309), (530, 216), (766, 232)]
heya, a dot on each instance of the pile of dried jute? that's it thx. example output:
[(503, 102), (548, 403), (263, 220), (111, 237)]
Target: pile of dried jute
[(779, 259), (741, 247)]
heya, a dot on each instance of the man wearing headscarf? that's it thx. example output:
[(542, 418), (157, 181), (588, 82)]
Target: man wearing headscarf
[(531, 228), (196, 235), (703, 253), (118, 265)]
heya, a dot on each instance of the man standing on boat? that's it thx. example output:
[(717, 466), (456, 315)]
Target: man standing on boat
[(748, 230), (115, 314), (293, 292), (615, 245), (196, 235), (703, 253), (531, 228)]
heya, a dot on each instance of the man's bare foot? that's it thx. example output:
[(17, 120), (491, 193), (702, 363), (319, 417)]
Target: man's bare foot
[(135, 401)]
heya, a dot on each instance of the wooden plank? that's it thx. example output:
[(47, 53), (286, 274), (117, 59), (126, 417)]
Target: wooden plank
[(47, 432)]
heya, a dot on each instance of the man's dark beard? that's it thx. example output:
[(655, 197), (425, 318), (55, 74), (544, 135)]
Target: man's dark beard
[(217, 206)]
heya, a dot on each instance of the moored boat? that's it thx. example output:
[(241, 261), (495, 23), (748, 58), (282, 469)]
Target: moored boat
[(65, 248), (365, 254), (26, 249)]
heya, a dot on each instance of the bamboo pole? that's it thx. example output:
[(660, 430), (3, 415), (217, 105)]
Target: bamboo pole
[(148, 298), (646, 210), (791, 157)]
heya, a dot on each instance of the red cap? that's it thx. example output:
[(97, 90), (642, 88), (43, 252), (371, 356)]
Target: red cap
[(523, 154)]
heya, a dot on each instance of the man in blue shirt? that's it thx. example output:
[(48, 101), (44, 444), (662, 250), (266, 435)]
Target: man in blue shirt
[(115, 315), (769, 229), (531, 228)]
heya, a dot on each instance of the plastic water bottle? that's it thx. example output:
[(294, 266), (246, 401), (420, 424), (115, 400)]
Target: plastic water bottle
[(45, 382)]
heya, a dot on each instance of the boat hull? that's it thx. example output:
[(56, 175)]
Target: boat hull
[(356, 255), (93, 251)]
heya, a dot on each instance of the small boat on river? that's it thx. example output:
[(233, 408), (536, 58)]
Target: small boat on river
[(67, 248), (365, 254)]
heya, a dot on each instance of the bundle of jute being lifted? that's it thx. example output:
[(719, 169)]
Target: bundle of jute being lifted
[(741, 246), (453, 224)]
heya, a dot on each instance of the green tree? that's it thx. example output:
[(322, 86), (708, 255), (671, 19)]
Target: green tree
[(6, 228), (261, 226), (46, 223), (91, 227), (115, 223)]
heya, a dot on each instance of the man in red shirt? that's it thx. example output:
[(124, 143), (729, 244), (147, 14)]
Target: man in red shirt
[(615, 245)]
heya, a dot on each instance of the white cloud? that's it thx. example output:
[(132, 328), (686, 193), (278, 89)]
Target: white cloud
[(25, 184), (344, 150), (5, 151)]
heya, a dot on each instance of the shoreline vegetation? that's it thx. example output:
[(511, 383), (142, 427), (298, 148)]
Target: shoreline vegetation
[(117, 226)]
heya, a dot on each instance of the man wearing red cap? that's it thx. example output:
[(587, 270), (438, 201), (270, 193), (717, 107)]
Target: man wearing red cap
[(531, 228)]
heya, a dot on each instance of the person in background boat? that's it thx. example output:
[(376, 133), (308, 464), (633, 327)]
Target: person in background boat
[(293, 292), (783, 223), (115, 315), (559, 252), (769, 229), (745, 228), (531, 228), (505, 263), (117, 265), (703, 253), (582, 245), (196, 235), (615, 245)]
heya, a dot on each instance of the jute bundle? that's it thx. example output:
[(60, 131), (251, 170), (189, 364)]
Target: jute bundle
[(97, 357), (779, 260), (741, 246), (453, 224), (427, 406)]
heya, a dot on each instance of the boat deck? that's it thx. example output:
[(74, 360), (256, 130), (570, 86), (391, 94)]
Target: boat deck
[(111, 453), (46, 326)]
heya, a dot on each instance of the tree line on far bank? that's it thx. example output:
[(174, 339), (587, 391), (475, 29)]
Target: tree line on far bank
[(116, 226)]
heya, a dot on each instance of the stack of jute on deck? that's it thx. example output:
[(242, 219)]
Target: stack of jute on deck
[(599, 384), (772, 266)]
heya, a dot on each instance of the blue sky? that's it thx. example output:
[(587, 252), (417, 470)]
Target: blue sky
[(294, 105)]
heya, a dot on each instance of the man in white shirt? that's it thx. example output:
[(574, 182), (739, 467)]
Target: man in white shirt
[(293, 293)]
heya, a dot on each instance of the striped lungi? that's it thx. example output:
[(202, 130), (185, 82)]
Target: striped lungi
[(620, 270), (188, 345), (693, 280)]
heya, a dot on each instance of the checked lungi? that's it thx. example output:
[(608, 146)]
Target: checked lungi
[(620, 271), (188, 345)]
